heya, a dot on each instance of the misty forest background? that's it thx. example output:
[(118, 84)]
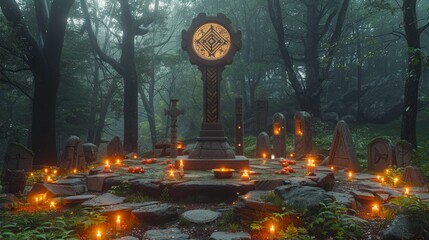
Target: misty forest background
[(88, 66)]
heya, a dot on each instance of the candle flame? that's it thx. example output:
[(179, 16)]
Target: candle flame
[(55, 171), (264, 155), (118, 219), (98, 233), (46, 170), (172, 173), (350, 175), (181, 162), (332, 167), (31, 174), (75, 171), (272, 229), (52, 204), (299, 133), (407, 191), (107, 162), (245, 173)]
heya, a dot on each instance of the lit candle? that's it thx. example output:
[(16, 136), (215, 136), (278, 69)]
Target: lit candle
[(171, 175), (272, 231), (55, 171), (407, 191), (299, 133), (52, 205), (107, 166), (375, 210), (37, 201), (273, 156), (382, 179), (118, 223), (311, 166), (181, 169), (378, 178), (239, 144), (350, 176), (292, 155), (118, 161), (245, 176), (332, 168), (31, 174), (98, 234), (135, 156), (48, 179), (264, 155), (395, 182), (46, 170), (74, 171), (387, 171)]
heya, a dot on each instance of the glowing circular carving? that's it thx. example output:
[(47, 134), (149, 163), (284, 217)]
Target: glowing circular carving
[(211, 41)]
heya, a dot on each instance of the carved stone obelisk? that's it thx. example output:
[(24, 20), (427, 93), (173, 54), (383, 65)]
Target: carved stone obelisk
[(173, 112), (211, 43), (239, 128)]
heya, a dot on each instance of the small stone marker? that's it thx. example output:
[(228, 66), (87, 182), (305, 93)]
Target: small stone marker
[(303, 134), (14, 181), (200, 215), (156, 214), (96, 182), (115, 149), (263, 145), (342, 153), (404, 153), (239, 127), (50, 191), (18, 157), (413, 176), (380, 155), (91, 152), (261, 113), (279, 135), (73, 156)]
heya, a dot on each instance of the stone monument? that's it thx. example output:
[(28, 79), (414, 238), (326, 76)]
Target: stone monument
[(279, 135), (211, 43), (303, 134), (404, 153), (173, 112), (115, 149), (239, 127), (263, 148), (18, 157), (73, 156), (342, 153), (380, 154)]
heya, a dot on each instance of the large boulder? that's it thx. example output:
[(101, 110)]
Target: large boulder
[(399, 229), (303, 197), (156, 214), (115, 149), (91, 152)]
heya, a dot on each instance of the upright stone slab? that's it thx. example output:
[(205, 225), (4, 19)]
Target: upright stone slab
[(115, 149), (91, 152), (18, 157), (239, 127), (303, 134), (261, 113), (279, 135), (404, 153), (263, 145), (342, 153), (211, 43), (73, 156), (173, 112), (380, 154)]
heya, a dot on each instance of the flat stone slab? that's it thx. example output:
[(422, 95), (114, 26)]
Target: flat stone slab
[(163, 234), (96, 182), (103, 200), (345, 199), (77, 199), (125, 207), (157, 213), (268, 184), (200, 216), (50, 191), (127, 238), (229, 236), (262, 166), (364, 176), (361, 195), (70, 181)]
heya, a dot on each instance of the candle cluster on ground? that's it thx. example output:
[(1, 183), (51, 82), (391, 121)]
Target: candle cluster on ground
[(245, 176), (311, 167)]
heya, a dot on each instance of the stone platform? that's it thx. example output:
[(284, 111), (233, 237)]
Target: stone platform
[(238, 163)]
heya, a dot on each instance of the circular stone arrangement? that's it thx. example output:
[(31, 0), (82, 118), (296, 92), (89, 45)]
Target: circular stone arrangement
[(200, 216)]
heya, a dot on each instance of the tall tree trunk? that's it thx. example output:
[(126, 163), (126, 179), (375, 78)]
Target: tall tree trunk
[(92, 113), (412, 78), (44, 63)]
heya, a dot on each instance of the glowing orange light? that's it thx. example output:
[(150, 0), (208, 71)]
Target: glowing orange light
[(135, 156), (37, 201), (55, 171), (272, 231), (46, 170), (118, 223), (382, 179), (299, 133), (75, 171), (375, 210), (98, 234), (395, 182), (264, 155), (52, 205), (245, 176), (239, 144), (407, 191), (31, 174), (378, 177), (332, 168), (350, 175), (118, 161), (107, 163)]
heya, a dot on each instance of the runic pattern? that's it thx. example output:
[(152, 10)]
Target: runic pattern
[(211, 41), (212, 96)]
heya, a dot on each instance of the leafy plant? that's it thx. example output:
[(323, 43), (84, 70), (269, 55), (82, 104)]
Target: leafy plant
[(123, 189), (421, 159), (285, 222), (228, 222), (333, 221), (392, 173)]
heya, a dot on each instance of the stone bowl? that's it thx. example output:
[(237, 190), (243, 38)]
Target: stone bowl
[(223, 172)]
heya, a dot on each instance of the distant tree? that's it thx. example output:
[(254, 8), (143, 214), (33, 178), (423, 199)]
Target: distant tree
[(44, 62), (318, 20), (414, 71), (126, 67)]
